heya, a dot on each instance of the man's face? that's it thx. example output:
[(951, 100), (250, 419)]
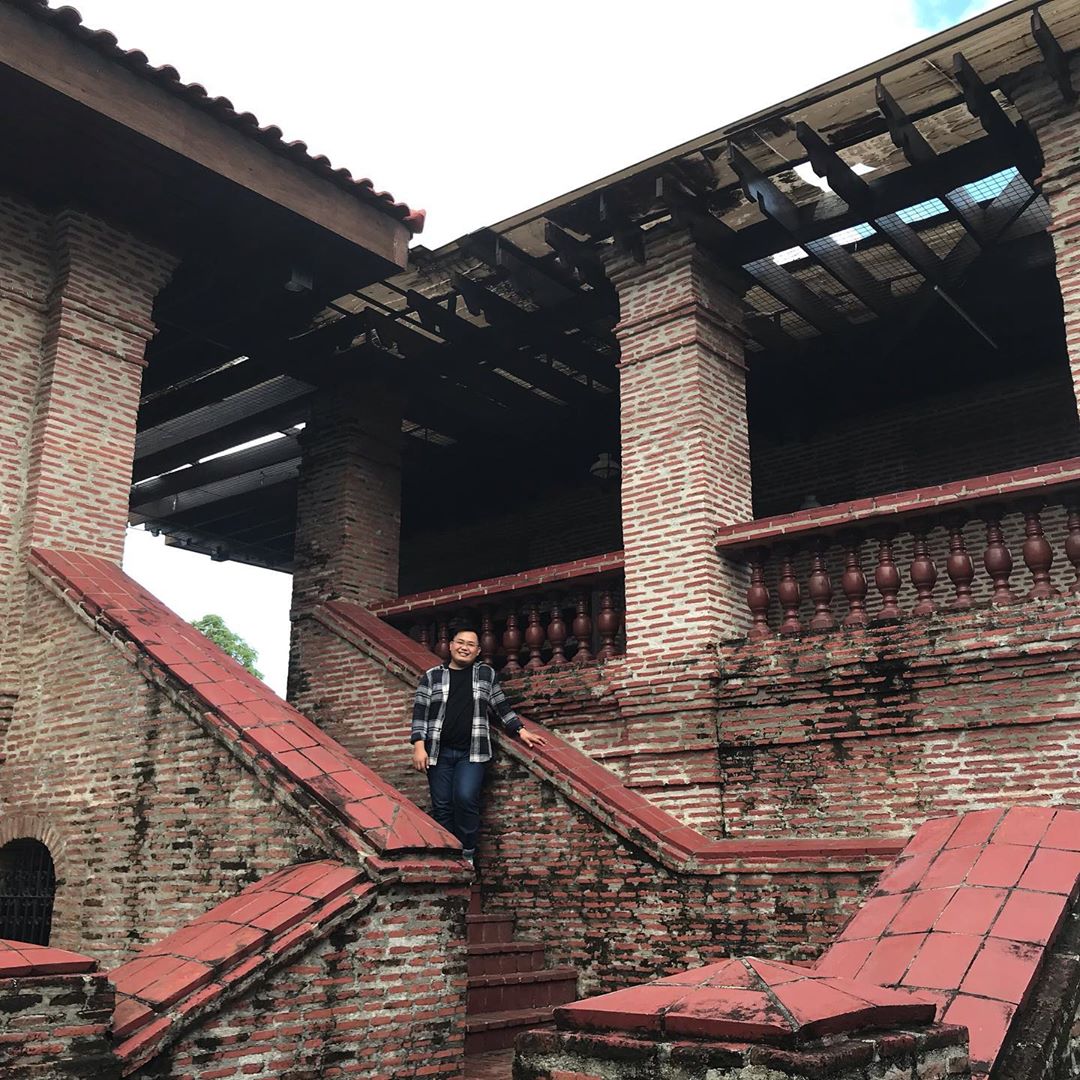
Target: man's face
[(464, 647)]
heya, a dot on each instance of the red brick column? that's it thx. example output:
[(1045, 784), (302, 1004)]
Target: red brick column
[(348, 515), (75, 316), (685, 451), (1056, 124)]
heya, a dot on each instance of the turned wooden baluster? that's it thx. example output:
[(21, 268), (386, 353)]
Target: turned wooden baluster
[(853, 582), (582, 628), (556, 633), (607, 624), (489, 643), (959, 566), (998, 560), (1038, 554), (1072, 545), (425, 635), (820, 589), (789, 594), (757, 598), (534, 636), (887, 578), (923, 574), (511, 640), (442, 642)]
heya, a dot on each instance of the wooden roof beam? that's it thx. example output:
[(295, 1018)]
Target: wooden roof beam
[(1057, 63)]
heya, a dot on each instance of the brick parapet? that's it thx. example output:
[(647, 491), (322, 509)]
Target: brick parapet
[(685, 450), (1056, 125), (57, 1026)]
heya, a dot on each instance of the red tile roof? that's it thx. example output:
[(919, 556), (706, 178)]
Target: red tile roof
[(21, 960), (599, 791), (166, 984), (968, 913), (69, 21), (247, 714), (749, 1001)]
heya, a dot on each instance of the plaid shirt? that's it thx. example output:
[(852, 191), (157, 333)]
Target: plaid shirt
[(429, 710)]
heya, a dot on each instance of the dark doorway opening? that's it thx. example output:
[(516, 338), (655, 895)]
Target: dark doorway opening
[(27, 889)]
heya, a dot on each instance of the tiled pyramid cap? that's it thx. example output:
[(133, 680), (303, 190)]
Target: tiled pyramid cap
[(750, 1001), (20, 959)]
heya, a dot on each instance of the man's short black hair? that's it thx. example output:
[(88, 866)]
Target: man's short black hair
[(463, 626)]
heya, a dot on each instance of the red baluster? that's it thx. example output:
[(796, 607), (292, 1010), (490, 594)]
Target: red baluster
[(958, 565), (582, 628), (998, 560), (1072, 546), (442, 643), (425, 635), (534, 636), (789, 594), (556, 633), (887, 578), (1038, 554), (607, 624), (511, 640), (853, 582), (820, 589), (923, 574), (757, 598), (489, 643)]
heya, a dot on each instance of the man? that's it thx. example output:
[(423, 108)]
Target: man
[(451, 738)]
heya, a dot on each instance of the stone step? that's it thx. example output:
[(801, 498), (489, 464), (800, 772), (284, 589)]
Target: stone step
[(520, 990), (483, 929), (498, 1030), (505, 957)]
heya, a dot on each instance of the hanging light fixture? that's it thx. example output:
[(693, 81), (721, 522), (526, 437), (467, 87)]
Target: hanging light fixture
[(605, 467)]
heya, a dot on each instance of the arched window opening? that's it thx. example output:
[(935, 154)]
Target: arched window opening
[(27, 888)]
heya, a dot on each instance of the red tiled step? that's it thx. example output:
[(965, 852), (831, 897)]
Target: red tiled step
[(483, 929), (505, 957), (521, 990), (497, 1030)]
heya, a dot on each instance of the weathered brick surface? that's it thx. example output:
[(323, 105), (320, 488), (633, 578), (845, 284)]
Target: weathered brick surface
[(56, 1026), (685, 450), (155, 820), (381, 997), (1056, 124)]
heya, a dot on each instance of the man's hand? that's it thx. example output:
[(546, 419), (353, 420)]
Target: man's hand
[(419, 756), (529, 739)]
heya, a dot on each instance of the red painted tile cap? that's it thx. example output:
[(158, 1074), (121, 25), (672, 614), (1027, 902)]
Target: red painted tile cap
[(21, 960), (749, 1000)]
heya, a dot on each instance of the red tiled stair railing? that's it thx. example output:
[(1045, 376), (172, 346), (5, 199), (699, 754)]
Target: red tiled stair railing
[(167, 986), (350, 805), (850, 563), (967, 916), (564, 613), (603, 795)]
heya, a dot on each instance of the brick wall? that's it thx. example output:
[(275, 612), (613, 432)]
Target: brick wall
[(56, 1026), (1021, 421), (685, 454), (1056, 125), (382, 995), (156, 820)]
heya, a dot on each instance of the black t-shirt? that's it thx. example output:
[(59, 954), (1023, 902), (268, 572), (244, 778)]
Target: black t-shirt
[(457, 724)]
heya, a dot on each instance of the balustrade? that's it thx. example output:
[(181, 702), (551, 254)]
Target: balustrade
[(938, 554), (568, 622)]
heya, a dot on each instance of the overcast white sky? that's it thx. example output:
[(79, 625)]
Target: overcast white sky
[(475, 110)]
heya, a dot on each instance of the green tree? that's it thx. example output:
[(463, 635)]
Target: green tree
[(213, 626)]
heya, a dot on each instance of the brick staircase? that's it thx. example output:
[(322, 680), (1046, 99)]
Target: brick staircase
[(510, 990)]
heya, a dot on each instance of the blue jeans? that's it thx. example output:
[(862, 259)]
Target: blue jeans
[(455, 784)]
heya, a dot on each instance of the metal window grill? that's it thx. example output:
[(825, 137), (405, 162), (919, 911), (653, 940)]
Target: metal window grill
[(27, 888)]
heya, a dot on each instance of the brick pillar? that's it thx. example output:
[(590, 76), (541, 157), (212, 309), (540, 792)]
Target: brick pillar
[(348, 514), (1056, 124), (75, 305), (685, 451)]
